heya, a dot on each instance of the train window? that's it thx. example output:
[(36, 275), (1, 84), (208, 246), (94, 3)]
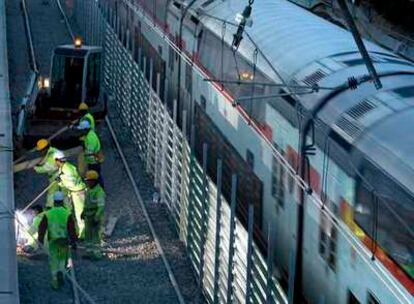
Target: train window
[(328, 236), (352, 299), (250, 159), (388, 211), (281, 187), (188, 78), (274, 184), (171, 58), (372, 299), (203, 102)]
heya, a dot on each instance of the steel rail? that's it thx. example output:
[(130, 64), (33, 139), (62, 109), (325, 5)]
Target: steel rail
[(146, 215)]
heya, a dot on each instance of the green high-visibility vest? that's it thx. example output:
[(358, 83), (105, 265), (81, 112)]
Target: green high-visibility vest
[(48, 164), (88, 116), (95, 201), (70, 178), (57, 223), (91, 146)]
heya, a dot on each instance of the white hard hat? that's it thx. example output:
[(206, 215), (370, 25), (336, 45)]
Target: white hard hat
[(59, 155), (58, 196), (84, 125)]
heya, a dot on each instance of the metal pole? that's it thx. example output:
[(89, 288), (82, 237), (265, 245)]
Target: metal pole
[(204, 219), (217, 240), (269, 265), (250, 226), (360, 44), (230, 274)]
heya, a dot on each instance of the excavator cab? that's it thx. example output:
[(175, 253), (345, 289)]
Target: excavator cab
[(75, 77)]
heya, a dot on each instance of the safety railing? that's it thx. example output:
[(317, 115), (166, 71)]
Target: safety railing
[(227, 263)]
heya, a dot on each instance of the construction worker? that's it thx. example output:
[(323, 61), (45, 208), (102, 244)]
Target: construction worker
[(48, 166), (93, 215), (59, 225), (32, 237), (91, 149), (72, 183), (86, 115)]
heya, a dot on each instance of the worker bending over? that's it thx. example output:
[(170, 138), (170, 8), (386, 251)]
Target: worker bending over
[(48, 166), (69, 179), (93, 215), (59, 225)]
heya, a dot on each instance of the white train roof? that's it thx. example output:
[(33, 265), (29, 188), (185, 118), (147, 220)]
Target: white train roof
[(290, 37)]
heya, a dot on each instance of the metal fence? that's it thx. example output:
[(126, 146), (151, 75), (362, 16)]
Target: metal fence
[(227, 263)]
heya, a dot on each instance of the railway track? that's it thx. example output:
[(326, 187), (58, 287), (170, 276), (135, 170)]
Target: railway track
[(137, 267)]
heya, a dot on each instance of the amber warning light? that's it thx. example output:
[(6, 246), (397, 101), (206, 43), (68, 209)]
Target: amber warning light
[(78, 42)]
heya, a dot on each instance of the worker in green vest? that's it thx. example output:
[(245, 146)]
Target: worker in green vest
[(92, 149), (59, 225), (86, 115), (93, 214), (73, 185), (48, 166)]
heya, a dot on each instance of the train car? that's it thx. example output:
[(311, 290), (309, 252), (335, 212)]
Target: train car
[(75, 77), (358, 240)]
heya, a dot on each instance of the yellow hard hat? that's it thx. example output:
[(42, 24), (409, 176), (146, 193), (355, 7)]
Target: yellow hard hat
[(83, 106), (92, 175), (41, 144)]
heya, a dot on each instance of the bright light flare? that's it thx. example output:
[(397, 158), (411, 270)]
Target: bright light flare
[(78, 42), (246, 76)]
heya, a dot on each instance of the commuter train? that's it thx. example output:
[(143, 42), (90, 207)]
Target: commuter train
[(296, 86)]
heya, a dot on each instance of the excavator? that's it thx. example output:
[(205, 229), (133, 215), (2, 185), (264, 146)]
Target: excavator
[(52, 106)]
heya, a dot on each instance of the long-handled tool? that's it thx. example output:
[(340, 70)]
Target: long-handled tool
[(28, 164), (49, 139), (38, 196)]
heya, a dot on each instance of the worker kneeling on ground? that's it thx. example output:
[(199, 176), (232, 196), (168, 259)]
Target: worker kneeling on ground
[(93, 214), (60, 227), (49, 167), (92, 149), (71, 182)]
